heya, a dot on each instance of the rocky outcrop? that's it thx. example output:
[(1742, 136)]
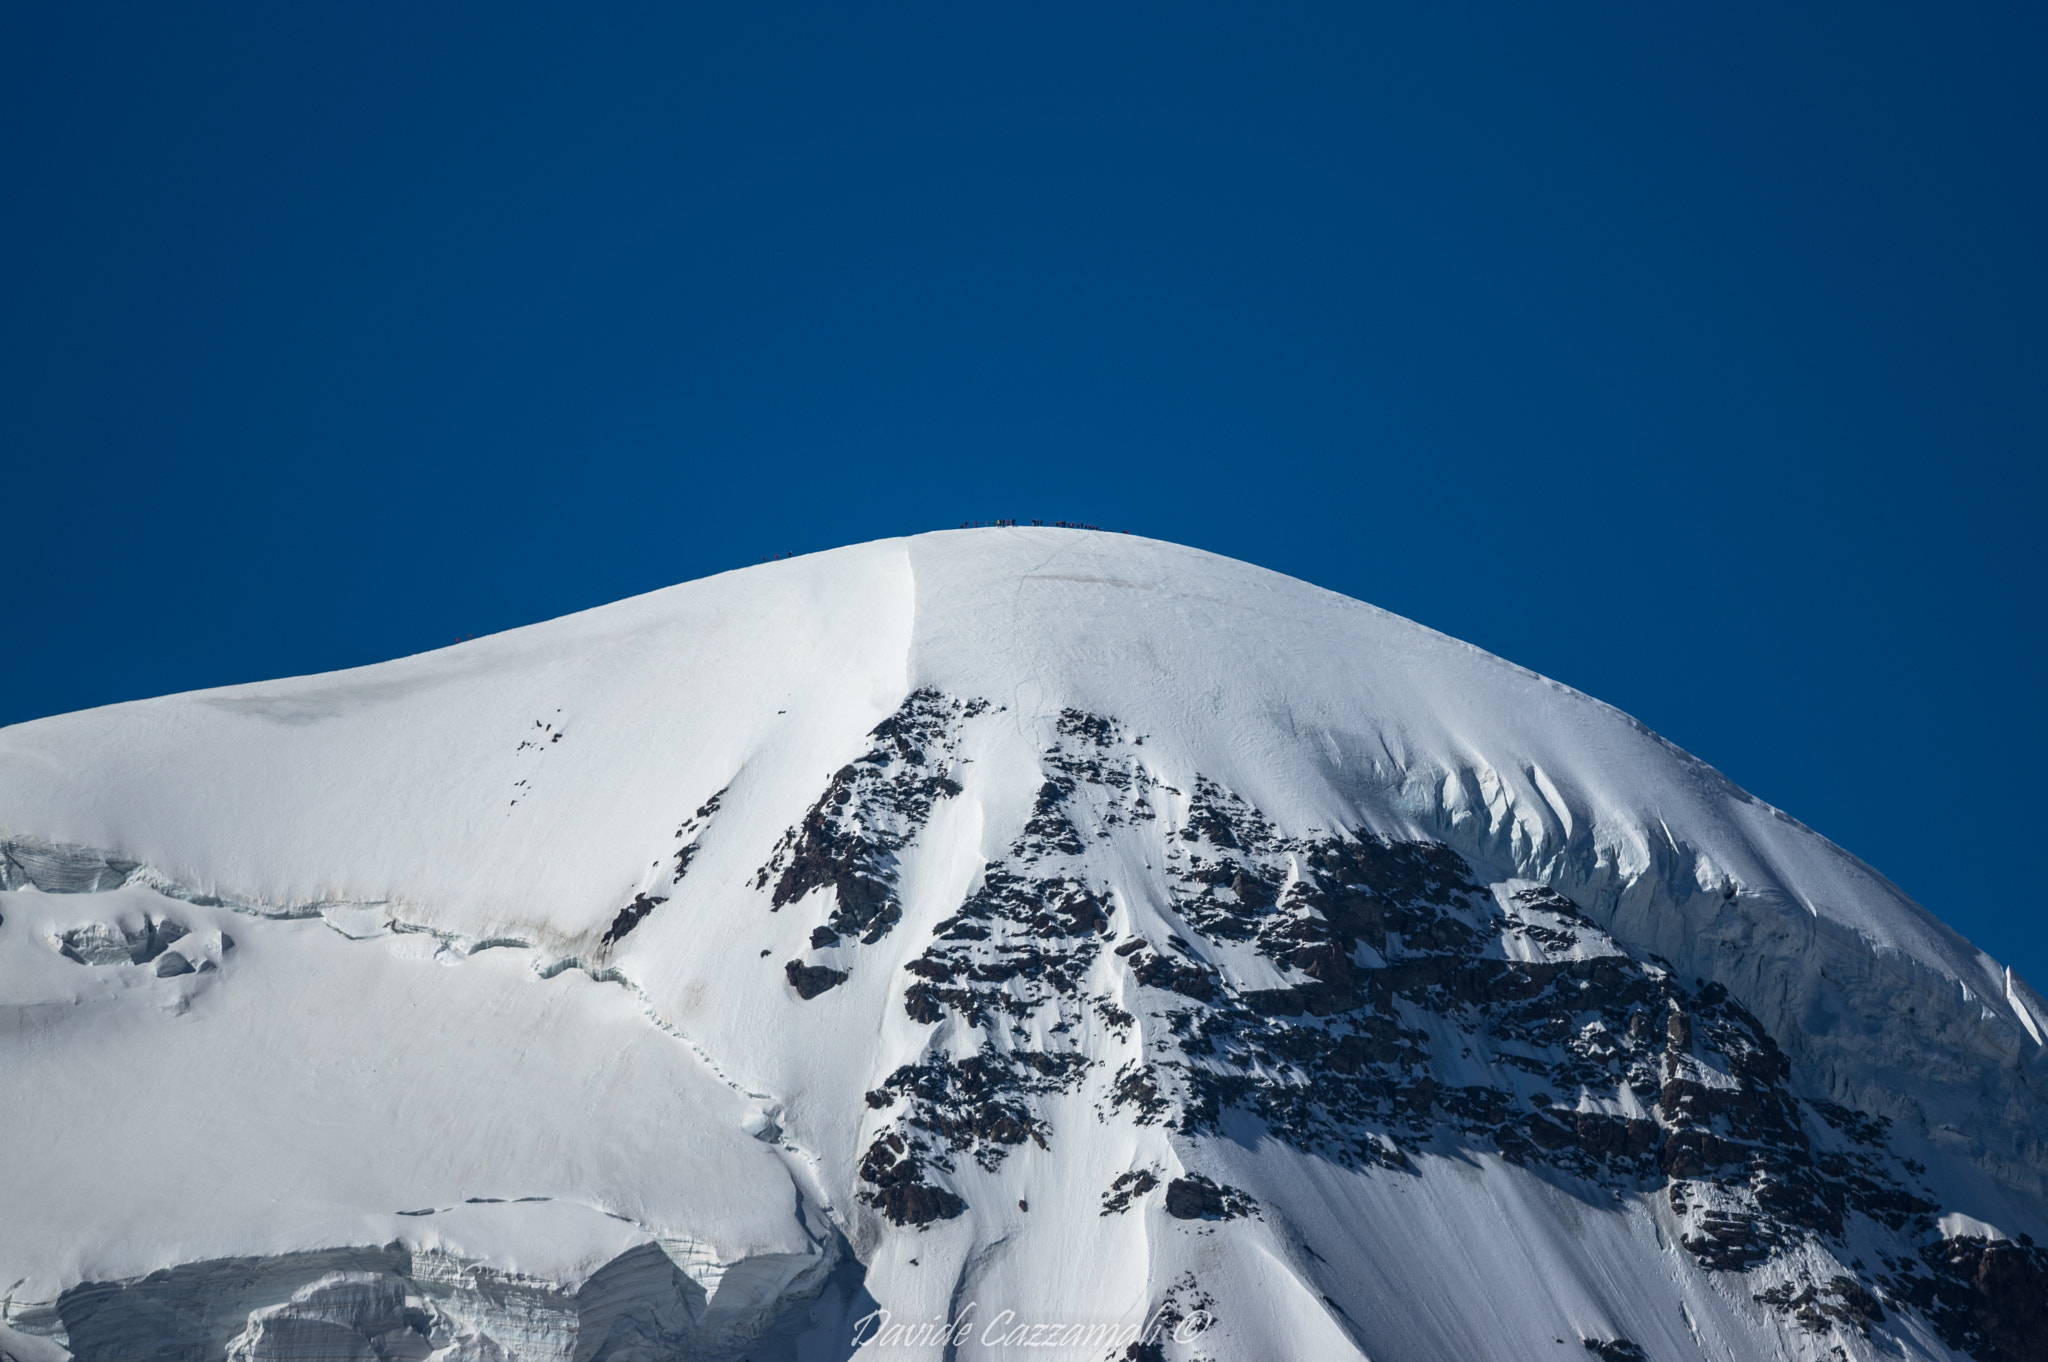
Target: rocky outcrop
[(1400, 960), (871, 809), (1200, 1198), (811, 980), (1986, 1297)]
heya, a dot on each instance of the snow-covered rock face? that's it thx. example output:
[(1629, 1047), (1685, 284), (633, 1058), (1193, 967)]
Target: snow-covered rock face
[(998, 943)]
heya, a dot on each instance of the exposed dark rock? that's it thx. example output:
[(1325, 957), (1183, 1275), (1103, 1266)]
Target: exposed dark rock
[(922, 1006), (1603, 1067), (978, 1105), (1019, 943), (1840, 1300), (1615, 1350), (811, 980), (1871, 1131), (1987, 1297), (1126, 1188), (1191, 981), (1050, 830), (631, 916), (1731, 1243), (1196, 1197), (871, 809), (1137, 1088), (692, 828), (893, 1168)]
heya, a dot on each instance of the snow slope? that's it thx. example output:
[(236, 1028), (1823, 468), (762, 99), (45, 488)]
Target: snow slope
[(536, 917)]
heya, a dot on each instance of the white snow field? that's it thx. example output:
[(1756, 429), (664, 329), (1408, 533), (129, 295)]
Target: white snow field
[(995, 943)]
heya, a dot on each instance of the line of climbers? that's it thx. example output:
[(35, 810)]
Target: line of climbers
[(1055, 524)]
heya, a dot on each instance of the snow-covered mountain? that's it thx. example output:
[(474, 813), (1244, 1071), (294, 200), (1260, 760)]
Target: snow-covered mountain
[(990, 938)]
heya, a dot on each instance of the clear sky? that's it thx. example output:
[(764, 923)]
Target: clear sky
[(1691, 354)]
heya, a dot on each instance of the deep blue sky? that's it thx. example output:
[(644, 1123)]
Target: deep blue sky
[(1693, 355)]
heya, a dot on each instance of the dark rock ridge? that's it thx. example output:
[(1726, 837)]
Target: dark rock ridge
[(1399, 961), (1601, 1066), (630, 917), (693, 828), (1021, 945), (872, 808)]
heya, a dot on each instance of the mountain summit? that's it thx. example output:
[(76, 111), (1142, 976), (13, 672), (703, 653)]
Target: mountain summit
[(1016, 942)]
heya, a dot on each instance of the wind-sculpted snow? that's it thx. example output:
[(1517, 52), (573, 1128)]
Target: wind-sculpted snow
[(1007, 943)]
